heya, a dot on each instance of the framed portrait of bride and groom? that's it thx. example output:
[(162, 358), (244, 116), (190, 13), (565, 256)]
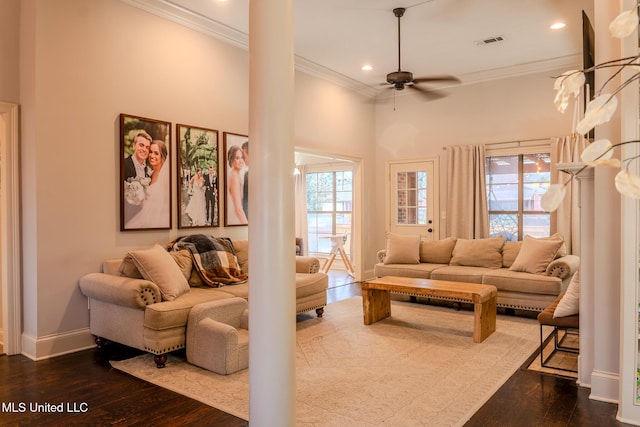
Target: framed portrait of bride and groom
[(198, 195), (145, 173), (236, 178)]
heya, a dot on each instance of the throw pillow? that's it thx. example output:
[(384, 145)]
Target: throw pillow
[(535, 255), (402, 249), (182, 258), (242, 253), (157, 266), (570, 303), (563, 248), (510, 251), (437, 251), (184, 261), (478, 252), (129, 269)]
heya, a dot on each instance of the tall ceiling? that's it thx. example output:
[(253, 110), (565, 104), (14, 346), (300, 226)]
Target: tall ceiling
[(338, 37)]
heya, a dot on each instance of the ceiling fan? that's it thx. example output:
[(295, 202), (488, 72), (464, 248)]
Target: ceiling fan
[(398, 80)]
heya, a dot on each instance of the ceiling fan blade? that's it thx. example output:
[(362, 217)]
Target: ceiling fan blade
[(443, 79), (427, 93)]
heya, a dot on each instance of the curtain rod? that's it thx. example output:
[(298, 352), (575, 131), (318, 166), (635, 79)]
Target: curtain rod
[(519, 141)]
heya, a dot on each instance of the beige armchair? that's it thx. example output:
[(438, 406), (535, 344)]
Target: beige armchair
[(218, 335)]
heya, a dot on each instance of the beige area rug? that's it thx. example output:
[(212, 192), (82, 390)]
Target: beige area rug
[(419, 367)]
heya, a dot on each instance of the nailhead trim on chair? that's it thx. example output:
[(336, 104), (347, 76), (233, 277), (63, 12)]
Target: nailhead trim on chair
[(164, 350)]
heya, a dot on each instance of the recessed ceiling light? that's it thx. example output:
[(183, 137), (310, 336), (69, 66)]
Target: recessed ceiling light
[(367, 68), (558, 25)]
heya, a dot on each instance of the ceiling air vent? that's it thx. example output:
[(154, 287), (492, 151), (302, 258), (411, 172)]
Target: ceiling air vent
[(490, 40)]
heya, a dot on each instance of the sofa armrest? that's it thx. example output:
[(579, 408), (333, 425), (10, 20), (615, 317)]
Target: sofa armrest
[(563, 267), (120, 290), (382, 254), (307, 264)]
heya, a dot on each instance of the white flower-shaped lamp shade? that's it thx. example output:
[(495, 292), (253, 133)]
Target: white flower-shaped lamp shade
[(624, 24), (597, 150), (553, 197), (628, 184), (598, 111), (569, 83)]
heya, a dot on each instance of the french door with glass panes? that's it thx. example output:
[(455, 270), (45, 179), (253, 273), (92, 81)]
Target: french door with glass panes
[(413, 207)]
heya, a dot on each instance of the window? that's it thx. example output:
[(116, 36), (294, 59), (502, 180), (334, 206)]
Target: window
[(329, 208), (515, 185), (412, 198)]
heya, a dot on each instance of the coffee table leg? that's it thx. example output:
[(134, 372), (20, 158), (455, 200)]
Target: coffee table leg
[(484, 322), (376, 305)]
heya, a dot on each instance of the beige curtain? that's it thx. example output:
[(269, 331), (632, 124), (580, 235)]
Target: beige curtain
[(566, 219), (467, 211), (300, 185)]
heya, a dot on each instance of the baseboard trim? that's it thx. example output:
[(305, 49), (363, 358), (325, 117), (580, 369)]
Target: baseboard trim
[(605, 386), (40, 348)]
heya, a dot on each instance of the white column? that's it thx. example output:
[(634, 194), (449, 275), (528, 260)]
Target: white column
[(607, 213), (587, 262), (271, 214)]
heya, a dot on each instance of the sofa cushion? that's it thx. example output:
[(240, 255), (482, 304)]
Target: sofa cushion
[(172, 314), (570, 302), (421, 271), (460, 274), (155, 264), (241, 290), (510, 251), (310, 284), (478, 252), (402, 249), (536, 254), (437, 251), (524, 283)]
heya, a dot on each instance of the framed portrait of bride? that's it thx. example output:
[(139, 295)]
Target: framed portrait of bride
[(198, 167), (236, 178), (145, 174)]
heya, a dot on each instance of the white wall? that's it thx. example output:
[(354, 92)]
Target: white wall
[(85, 63), (516, 108)]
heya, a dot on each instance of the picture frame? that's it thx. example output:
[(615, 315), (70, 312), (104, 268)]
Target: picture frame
[(236, 169), (145, 173), (198, 172)]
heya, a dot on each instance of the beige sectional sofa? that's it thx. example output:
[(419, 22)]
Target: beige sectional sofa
[(141, 314), (528, 274)]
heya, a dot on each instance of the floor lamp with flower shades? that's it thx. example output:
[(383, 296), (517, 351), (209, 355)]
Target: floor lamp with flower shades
[(622, 72)]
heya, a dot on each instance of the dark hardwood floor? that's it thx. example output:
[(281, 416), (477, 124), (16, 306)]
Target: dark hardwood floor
[(93, 393)]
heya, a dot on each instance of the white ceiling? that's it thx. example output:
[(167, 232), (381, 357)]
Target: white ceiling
[(337, 37)]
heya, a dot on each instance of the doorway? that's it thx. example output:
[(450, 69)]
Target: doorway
[(413, 198), (328, 210), (10, 252)]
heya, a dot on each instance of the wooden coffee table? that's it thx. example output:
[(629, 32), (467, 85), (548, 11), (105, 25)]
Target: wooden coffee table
[(376, 299)]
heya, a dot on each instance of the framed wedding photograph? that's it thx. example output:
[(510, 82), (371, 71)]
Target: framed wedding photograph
[(145, 174), (198, 168), (236, 178)]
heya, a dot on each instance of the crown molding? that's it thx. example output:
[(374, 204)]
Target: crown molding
[(172, 12)]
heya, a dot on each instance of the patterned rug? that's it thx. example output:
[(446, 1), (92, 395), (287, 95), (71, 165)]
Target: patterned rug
[(418, 367)]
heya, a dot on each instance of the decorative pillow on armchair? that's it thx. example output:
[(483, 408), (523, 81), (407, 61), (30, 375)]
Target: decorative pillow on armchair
[(402, 249), (536, 254)]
